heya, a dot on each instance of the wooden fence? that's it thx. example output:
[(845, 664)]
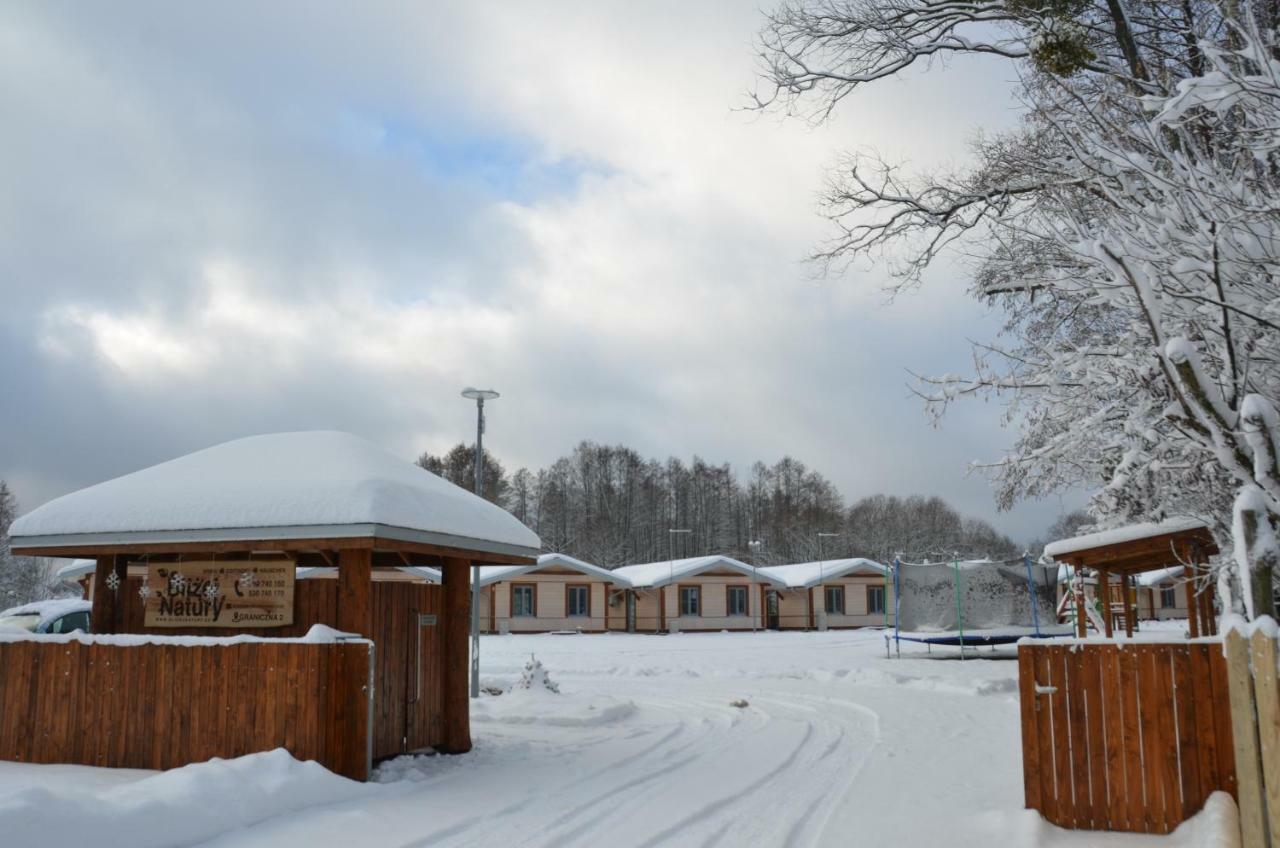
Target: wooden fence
[(159, 706), (1255, 712), (1129, 738)]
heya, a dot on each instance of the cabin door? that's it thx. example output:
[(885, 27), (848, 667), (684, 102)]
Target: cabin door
[(631, 611), (771, 610), (422, 672)]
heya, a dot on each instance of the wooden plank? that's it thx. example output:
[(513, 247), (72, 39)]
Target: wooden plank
[(1112, 736), (1244, 728), (1029, 704), (1263, 650), (1188, 729), (1079, 729), (1200, 676), (1061, 730), (1222, 722), (17, 659), (1096, 752), (1170, 780), (1149, 723)]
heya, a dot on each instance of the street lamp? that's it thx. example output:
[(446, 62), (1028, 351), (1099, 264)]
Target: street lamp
[(755, 545), (822, 574), (671, 562), (479, 396)]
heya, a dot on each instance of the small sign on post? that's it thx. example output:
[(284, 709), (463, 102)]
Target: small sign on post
[(244, 594)]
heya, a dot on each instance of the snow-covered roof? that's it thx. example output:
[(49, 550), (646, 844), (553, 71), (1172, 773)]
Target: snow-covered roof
[(497, 573), (76, 569), (1128, 533), (654, 574), (801, 575), (48, 610), (305, 485), (1163, 575)]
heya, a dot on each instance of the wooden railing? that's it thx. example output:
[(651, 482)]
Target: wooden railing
[(163, 705), (1127, 737), (1255, 713)]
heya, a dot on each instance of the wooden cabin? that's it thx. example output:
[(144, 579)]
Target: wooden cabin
[(835, 594), (211, 545), (700, 593), (557, 594)]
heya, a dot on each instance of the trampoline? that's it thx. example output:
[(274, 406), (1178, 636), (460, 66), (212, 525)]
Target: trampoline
[(974, 603)]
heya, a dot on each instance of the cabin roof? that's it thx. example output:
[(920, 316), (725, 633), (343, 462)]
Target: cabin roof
[(1136, 548), (653, 574), (802, 575), (497, 573), (307, 485)]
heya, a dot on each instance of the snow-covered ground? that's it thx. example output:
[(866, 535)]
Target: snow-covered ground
[(835, 745)]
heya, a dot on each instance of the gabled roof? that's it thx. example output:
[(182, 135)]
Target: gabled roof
[(654, 574), (497, 573), (1121, 535), (802, 575), (283, 486)]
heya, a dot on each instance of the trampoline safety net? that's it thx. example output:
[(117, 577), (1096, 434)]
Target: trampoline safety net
[(990, 596)]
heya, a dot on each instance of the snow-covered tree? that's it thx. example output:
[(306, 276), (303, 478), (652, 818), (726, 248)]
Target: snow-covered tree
[(22, 579), (1129, 228)]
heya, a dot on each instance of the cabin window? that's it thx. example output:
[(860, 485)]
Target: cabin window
[(875, 599), (737, 600), (579, 600), (1168, 597), (523, 600), (834, 598), (691, 600)]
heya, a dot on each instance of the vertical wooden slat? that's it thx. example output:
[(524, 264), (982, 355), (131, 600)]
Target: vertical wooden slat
[(1245, 737), (1062, 737), (1162, 658), (456, 702), (1030, 704), (1263, 649), (1135, 773), (1189, 731), (1200, 675), (1152, 743), (1096, 755), (1113, 726)]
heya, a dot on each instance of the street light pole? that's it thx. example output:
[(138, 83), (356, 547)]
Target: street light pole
[(822, 571), (671, 564), (479, 396)]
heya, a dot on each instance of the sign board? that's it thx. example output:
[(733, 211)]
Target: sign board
[(242, 594)]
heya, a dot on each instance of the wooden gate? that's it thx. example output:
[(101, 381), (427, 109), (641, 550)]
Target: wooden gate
[(1130, 738)]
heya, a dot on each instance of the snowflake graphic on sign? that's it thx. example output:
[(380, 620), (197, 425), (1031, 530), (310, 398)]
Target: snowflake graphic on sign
[(177, 581), (144, 591), (212, 591), (113, 581)]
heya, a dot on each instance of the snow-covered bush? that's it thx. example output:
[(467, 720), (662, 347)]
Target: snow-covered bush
[(535, 678)]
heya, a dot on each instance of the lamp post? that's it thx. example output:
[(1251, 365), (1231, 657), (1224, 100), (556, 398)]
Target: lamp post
[(755, 545), (479, 396), (822, 573), (671, 562)]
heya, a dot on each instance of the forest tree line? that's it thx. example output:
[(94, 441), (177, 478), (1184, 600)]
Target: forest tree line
[(608, 505)]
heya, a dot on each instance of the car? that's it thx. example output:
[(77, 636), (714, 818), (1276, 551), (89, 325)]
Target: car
[(56, 616)]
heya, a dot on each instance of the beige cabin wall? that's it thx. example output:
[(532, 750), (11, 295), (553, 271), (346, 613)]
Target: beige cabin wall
[(551, 604)]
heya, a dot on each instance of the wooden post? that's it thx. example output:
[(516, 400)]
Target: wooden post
[(1104, 592), (1267, 696), (107, 615), (455, 703), (355, 591), (1082, 617), (1130, 608), (662, 609), (1193, 620)]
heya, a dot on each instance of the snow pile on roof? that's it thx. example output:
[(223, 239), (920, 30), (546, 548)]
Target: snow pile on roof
[(497, 573), (804, 574), (1128, 533), (76, 569), (48, 610), (301, 484), (654, 574), (1152, 578), (187, 805)]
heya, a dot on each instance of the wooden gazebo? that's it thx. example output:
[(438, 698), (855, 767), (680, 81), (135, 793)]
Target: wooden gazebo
[(1136, 549), (209, 545)]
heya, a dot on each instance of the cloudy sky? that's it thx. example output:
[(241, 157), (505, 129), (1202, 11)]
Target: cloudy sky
[(228, 219)]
